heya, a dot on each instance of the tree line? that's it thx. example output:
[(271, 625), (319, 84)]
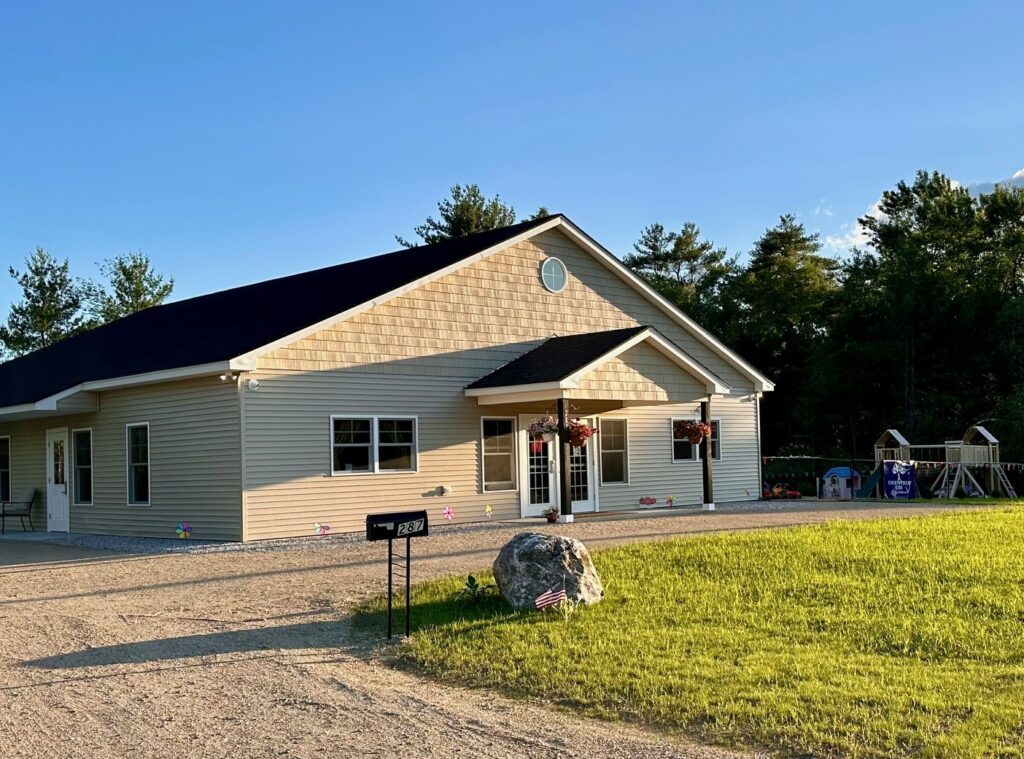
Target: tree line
[(921, 328), (55, 305)]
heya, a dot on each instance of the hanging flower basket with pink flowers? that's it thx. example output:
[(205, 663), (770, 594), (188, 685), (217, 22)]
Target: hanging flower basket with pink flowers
[(542, 431), (691, 430)]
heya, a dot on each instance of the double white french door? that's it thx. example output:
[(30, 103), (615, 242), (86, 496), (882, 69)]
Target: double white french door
[(540, 474)]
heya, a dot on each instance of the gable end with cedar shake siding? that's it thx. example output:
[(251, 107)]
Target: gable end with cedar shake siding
[(415, 354)]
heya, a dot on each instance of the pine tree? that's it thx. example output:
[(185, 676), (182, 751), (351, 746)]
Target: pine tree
[(50, 307), (134, 285), (466, 212)]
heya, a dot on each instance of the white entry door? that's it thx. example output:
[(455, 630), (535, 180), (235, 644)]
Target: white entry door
[(58, 514), (540, 474)]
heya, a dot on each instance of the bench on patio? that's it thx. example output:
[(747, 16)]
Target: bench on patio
[(20, 508)]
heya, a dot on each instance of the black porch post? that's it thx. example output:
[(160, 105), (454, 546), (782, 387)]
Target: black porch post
[(705, 452), (564, 457)]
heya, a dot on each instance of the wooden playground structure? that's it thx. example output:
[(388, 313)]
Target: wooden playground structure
[(953, 462)]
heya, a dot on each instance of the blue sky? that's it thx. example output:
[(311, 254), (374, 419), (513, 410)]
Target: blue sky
[(233, 142)]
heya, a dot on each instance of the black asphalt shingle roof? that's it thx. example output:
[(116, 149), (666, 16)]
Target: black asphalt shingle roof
[(556, 358), (222, 325)]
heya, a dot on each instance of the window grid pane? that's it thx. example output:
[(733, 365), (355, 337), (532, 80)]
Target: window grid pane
[(352, 444), (5, 469), (396, 449), (138, 465), (83, 467), (614, 451), (499, 454)]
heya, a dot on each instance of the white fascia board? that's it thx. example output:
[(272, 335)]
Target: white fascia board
[(520, 397), (534, 387), (252, 355), (200, 370), (21, 408), (761, 383)]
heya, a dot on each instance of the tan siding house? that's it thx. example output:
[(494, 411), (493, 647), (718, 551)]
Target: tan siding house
[(399, 391)]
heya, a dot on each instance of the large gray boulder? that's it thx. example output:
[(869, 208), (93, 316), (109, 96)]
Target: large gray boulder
[(534, 562)]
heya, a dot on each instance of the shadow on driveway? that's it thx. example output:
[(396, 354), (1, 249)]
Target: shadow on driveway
[(304, 635)]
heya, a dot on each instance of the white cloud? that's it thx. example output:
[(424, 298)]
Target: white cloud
[(822, 210), (852, 234)]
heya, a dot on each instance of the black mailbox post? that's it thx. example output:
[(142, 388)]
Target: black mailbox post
[(390, 527)]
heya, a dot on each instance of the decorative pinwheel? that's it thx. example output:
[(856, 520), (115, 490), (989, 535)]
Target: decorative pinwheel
[(670, 500), (448, 513), (184, 529), (321, 529)]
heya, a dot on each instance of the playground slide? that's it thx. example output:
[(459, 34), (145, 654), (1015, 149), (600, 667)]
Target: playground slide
[(869, 486)]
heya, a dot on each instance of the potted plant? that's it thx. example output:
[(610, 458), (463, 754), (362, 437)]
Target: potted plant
[(551, 515), (542, 430), (691, 430), (580, 432)]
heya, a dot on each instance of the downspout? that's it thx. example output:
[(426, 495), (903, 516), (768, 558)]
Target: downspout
[(760, 459), (243, 478)]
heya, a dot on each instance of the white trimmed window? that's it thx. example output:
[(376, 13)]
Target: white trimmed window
[(396, 444), (684, 450), (81, 443), (367, 444), (5, 468), (498, 446), (614, 442), (137, 442), (554, 275)]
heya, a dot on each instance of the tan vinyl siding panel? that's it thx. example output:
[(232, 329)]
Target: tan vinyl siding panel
[(641, 373), (289, 483), (194, 460), (414, 355), (652, 472), (28, 467)]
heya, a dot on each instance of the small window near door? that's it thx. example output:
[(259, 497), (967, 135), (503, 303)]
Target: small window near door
[(138, 464), (499, 454), (5, 468), (614, 452), (81, 442), (716, 440)]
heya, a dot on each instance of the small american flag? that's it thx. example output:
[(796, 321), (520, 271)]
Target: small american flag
[(551, 598)]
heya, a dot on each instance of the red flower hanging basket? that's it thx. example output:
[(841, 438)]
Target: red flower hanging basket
[(691, 430), (579, 432)]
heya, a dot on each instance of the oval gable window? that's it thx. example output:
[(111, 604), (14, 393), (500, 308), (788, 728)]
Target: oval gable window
[(554, 275)]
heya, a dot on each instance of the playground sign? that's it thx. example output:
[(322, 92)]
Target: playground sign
[(899, 481)]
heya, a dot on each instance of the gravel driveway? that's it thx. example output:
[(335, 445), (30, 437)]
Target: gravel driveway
[(249, 654)]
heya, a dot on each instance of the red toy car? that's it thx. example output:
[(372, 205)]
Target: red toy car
[(780, 491)]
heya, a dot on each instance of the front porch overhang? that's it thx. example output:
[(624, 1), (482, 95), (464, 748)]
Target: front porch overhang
[(566, 368)]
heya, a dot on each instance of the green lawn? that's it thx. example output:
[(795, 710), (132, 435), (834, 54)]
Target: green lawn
[(886, 638)]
